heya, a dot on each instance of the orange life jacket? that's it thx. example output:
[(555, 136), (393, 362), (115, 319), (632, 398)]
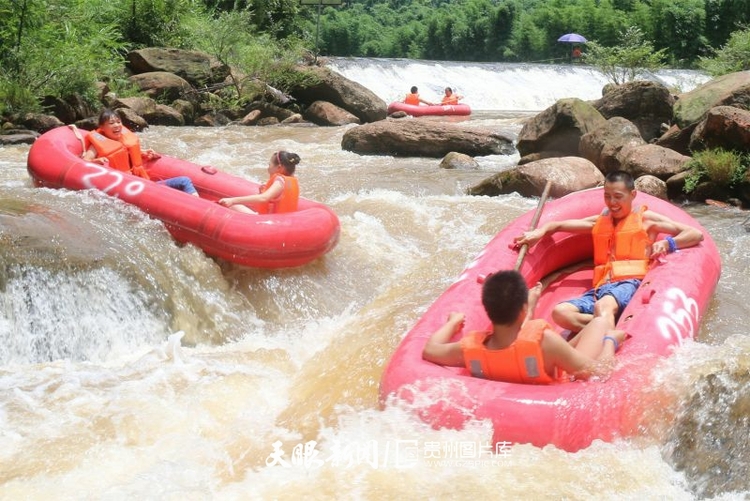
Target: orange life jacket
[(412, 99), (287, 201), (452, 99), (620, 250), (122, 155), (521, 362)]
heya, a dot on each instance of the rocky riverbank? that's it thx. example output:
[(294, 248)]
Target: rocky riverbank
[(638, 126)]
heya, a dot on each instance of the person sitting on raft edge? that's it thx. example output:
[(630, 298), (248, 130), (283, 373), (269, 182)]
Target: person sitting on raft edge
[(279, 194), (414, 99), (519, 349), (114, 145)]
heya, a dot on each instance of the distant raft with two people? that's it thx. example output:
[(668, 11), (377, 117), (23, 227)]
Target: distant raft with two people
[(665, 312), (430, 110), (275, 240)]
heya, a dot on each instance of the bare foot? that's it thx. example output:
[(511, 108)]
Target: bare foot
[(534, 294)]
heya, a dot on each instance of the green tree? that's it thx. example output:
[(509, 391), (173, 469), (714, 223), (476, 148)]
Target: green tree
[(55, 48), (678, 28), (252, 58), (627, 61), (732, 57), (528, 41), (723, 17)]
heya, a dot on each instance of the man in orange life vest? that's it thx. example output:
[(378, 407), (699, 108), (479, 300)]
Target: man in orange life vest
[(114, 145), (413, 98), (519, 349), (624, 245)]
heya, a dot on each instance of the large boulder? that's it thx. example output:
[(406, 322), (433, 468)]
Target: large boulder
[(325, 113), (165, 115), (653, 186), (40, 122), (559, 128), (604, 146), (677, 139), (654, 160), (647, 104), (162, 85), (423, 138), (327, 85), (730, 90), (269, 110), (25, 137), (68, 110), (140, 105), (724, 127), (198, 68), (567, 174)]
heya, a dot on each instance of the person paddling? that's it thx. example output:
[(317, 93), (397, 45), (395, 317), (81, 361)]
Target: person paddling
[(625, 245)]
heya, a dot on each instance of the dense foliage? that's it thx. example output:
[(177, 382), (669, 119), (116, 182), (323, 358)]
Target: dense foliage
[(524, 30), (63, 47), (627, 61)]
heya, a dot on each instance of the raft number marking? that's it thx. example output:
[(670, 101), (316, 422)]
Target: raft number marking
[(131, 188), (680, 316)]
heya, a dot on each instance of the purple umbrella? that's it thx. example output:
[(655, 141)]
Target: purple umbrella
[(572, 38)]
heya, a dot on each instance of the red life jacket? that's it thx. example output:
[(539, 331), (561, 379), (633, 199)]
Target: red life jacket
[(287, 201), (620, 250), (521, 362), (124, 155), (452, 99)]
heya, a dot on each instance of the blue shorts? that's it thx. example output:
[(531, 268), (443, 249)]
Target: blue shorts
[(621, 290), (182, 183)]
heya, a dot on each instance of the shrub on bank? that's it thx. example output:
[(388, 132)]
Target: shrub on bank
[(724, 169)]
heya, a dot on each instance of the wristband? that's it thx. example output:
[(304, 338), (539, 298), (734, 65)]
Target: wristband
[(611, 339), (672, 244)]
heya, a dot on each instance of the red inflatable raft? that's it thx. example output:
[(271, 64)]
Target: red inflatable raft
[(435, 110), (666, 311), (257, 240)]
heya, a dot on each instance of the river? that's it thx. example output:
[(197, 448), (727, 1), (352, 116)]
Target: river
[(135, 368)]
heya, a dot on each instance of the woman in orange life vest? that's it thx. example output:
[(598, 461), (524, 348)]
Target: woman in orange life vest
[(279, 194), (114, 145), (450, 97), (625, 245), (414, 98), (519, 349)]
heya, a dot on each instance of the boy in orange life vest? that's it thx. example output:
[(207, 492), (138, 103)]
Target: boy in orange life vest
[(414, 98), (518, 349), (279, 194), (624, 243), (450, 97), (114, 145)]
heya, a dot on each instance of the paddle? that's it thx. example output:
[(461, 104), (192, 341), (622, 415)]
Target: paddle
[(534, 222)]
